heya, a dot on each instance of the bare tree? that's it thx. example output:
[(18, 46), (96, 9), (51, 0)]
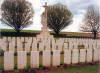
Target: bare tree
[(92, 21), (17, 14), (58, 17)]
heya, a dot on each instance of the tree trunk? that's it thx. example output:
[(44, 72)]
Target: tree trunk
[(94, 35), (18, 32), (57, 34)]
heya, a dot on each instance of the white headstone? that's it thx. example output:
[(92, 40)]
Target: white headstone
[(90, 46), (12, 44), (19, 44), (82, 56), (9, 39), (86, 46), (34, 44), (60, 43), (41, 46), (70, 45), (22, 59), (9, 60), (67, 56), (75, 56), (75, 45), (65, 46), (94, 46), (65, 40), (89, 55), (47, 44), (56, 58), (53, 44), (34, 59), (96, 55), (46, 58), (22, 39), (3, 43), (99, 54), (28, 42)]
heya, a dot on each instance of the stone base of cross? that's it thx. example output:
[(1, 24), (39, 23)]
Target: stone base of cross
[(44, 33)]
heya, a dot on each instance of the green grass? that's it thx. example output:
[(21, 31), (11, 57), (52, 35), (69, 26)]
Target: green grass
[(75, 69), (12, 30)]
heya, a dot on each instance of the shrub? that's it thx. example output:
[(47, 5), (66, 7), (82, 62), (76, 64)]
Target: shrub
[(27, 66), (33, 71), (62, 63), (1, 67), (41, 66), (16, 71)]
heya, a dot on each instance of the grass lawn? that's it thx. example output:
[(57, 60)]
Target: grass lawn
[(12, 30), (81, 69)]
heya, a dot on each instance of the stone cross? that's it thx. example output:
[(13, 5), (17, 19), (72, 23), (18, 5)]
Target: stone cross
[(45, 15), (44, 30)]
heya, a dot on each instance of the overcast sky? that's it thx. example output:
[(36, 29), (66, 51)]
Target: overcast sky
[(77, 7)]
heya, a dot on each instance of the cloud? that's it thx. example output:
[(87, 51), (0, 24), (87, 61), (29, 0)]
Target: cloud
[(79, 5), (75, 26)]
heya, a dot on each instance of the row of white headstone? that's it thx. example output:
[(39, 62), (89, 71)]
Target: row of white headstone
[(50, 43), (70, 57)]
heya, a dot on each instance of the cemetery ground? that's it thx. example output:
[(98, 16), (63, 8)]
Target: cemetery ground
[(82, 68), (62, 68)]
